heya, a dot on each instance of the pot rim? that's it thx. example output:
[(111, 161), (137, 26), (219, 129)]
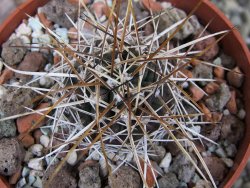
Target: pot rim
[(30, 7)]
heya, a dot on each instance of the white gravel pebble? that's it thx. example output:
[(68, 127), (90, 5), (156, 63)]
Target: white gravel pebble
[(63, 34), (36, 173), (46, 82), (22, 182), (34, 23), (31, 179), (44, 140), (229, 162), (25, 171), (25, 39), (165, 163), (38, 183), (241, 114), (28, 156), (3, 91), (23, 29), (1, 65), (37, 149), (36, 164), (72, 158), (220, 152), (103, 167)]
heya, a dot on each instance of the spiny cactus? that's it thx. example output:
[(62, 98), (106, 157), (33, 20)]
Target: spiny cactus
[(119, 93)]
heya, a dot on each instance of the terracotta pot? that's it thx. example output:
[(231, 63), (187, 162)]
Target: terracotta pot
[(232, 45)]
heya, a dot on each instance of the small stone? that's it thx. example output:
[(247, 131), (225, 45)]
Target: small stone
[(28, 156), (4, 183), (11, 156), (203, 184), (197, 93), (232, 129), (25, 171), (13, 55), (103, 167), (203, 72), (27, 140), (14, 101), (217, 101), (220, 153), (43, 19), (7, 128), (22, 182), (34, 24), (37, 135), (64, 179), (46, 82), (36, 173), (6, 75), (235, 77), (216, 167), (227, 61), (15, 177), (229, 162), (231, 150), (211, 53), (159, 153), (165, 163), (56, 11), (63, 34), (211, 88), (219, 72), (38, 183), (27, 122), (72, 158), (183, 167), (125, 176), (206, 111), (169, 180), (232, 105), (152, 5), (36, 164), (51, 160), (176, 15), (241, 114), (37, 149), (23, 29), (89, 175), (44, 140), (33, 62), (31, 179)]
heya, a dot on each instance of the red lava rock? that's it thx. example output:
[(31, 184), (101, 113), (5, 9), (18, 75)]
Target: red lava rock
[(206, 111), (4, 183), (27, 140), (6, 75), (37, 134), (152, 5), (72, 33), (232, 128), (232, 105), (125, 176), (216, 167), (235, 77), (15, 177), (211, 88), (150, 177), (26, 122), (11, 156), (200, 46), (197, 94), (219, 72), (33, 62), (43, 19)]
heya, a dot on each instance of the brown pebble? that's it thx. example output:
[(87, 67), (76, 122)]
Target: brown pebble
[(43, 19), (235, 77), (27, 140), (216, 117), (206, 111), (72, 33), (15, 177), (37, 134), (6, 75), (232, 105), (211, 88), (219, 72), (197, 93), (151, 5)]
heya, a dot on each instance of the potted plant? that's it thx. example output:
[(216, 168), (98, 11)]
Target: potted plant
[(231, 44)]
